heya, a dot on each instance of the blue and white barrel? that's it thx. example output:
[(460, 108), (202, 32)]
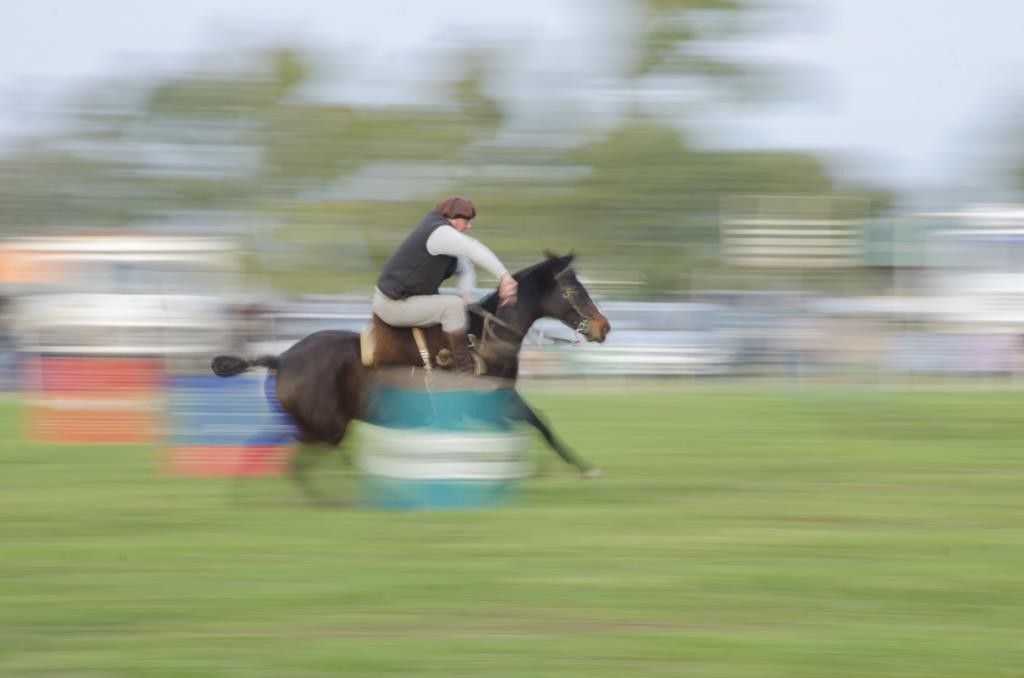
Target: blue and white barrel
[(442, 444)]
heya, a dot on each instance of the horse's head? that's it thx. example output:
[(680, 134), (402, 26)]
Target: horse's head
[(565, 298)]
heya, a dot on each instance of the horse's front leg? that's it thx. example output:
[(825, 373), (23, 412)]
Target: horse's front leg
[(520, 411)]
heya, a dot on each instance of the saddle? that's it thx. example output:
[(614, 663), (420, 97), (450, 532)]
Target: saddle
[(381, 344)]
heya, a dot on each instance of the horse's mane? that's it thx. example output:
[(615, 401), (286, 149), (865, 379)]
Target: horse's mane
[(529, 279)]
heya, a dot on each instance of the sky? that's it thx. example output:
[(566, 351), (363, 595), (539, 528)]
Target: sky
[(916, 88), (905, 91)]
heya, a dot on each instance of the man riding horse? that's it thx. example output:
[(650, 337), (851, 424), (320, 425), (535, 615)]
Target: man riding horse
[(323, 380), (407, 292)]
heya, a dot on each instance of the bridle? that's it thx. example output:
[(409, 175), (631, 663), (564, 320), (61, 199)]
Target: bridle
[(571, 294)]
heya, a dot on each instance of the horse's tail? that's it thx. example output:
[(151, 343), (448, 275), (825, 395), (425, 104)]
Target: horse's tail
[(230, 365)]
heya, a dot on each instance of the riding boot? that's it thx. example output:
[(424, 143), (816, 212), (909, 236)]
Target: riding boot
[(462, 362)]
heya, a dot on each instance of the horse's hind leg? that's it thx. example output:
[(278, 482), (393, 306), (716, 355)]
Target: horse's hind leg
[(280, 431), (309, 455), (306, 457)]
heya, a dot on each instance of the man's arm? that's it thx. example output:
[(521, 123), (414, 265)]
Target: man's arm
[(447, 240)]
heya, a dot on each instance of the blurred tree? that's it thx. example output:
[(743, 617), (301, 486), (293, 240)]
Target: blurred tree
[(229, 139), (644, 201), (335, 186), (646, 205), (668, 25)]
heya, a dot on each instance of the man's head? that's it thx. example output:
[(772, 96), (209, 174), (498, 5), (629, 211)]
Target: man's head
[(459, 211)]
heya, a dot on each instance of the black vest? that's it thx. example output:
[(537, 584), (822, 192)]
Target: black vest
[(412, 270)]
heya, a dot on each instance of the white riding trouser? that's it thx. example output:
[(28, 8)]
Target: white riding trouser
[(423, 310)]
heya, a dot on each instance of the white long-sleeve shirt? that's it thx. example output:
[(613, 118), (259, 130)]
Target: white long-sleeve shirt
[(448, 240), (465, 277)]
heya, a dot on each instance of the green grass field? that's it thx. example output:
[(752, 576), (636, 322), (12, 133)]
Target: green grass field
[(735, 534)]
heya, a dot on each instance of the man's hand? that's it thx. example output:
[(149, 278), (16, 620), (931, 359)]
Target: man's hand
[(507, 289)]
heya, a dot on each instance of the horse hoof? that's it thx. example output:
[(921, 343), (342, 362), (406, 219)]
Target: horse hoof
[(591, 473)]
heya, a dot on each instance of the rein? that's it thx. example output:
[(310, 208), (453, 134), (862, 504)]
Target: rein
[(490, 336), (491, 318)]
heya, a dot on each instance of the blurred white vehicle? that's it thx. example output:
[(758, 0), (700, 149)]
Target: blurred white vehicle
[(285, 322), (124, 295), (646, 339)]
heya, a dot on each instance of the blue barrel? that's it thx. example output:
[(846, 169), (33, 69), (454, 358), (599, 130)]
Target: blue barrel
[(219, 426), (210, 410), (446, 444)]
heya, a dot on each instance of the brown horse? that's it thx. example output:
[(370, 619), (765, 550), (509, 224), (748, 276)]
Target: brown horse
[(321, 381)]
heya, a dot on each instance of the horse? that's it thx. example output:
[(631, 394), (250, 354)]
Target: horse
[(322, 381)]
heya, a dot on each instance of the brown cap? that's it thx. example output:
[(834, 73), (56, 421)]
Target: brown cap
[(456, 208)]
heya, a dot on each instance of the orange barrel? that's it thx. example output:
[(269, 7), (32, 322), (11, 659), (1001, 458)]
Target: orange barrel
[(93, 399)]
